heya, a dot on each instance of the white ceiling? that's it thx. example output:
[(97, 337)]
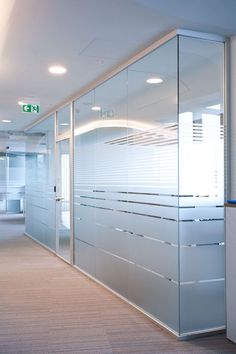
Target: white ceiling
[(89, 37)]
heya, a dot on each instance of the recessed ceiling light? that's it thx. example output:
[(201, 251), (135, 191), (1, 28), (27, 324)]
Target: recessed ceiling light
[(64, 123), (57, 69), (215, 106), (96, 108), (6, 121), (154, 80)]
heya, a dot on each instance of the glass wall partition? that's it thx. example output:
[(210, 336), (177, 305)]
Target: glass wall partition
[(149, 184), (40, 183), (148, 187), (201, 184)]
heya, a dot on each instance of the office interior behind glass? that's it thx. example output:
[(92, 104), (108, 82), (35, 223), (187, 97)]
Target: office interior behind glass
[(12, 172)]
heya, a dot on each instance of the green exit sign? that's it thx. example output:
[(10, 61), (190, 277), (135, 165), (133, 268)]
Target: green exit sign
[(30, 108)]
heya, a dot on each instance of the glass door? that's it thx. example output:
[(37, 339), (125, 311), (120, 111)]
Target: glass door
[(63, 199)]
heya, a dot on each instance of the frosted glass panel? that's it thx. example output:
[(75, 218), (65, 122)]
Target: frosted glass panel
[(157, 295), (40, 182), (63, 198), (201, 185), (85, 257), (113, 271), (202, 306), (204, 262)]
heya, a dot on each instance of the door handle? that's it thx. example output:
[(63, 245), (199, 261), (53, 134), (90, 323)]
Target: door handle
[(59, 199)]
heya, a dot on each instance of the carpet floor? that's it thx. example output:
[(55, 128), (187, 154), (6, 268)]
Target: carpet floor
[(47, 306)]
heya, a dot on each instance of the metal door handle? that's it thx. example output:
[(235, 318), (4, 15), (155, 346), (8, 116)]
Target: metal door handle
[(59, 199)]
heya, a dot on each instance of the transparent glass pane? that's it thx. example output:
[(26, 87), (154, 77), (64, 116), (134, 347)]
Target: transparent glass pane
[(40, 182), (15, 181), (201, 184), (63, 122)]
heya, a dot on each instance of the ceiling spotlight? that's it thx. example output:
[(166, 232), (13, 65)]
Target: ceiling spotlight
[(6, 121), (154, 80), (64, 124), (96, 108), (57, 69)]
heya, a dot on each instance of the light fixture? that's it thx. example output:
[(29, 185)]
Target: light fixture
[(154, 80), (6, 121), (20, 103), (215, 106), (57, 69), (96, 108), (64, 124)]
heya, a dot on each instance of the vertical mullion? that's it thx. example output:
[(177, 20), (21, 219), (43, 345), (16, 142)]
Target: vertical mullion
[(178, 174), (72, 182), (56, 182)]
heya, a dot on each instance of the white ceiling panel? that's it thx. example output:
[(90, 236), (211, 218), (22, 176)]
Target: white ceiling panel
[(89, 37)]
